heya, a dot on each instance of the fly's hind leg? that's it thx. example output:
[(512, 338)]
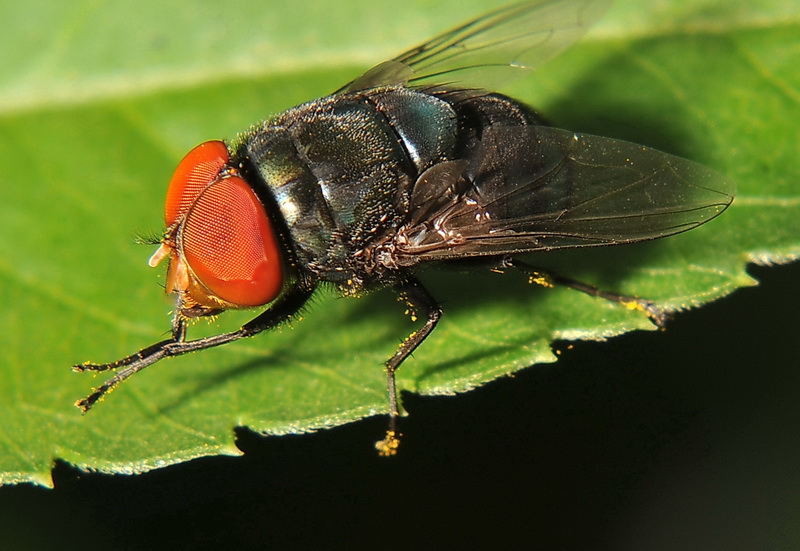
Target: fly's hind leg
[(419, 301), (549, 279)]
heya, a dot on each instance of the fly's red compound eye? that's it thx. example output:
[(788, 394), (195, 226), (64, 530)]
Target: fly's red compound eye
[(196, 171), (228, 243)]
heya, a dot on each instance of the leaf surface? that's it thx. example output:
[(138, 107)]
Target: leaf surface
[(98, 102)]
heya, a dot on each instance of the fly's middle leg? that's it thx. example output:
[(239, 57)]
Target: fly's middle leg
[(419, 301)]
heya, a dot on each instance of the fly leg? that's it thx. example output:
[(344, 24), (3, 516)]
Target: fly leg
[(417, 299), (282, 310), (549, 279)]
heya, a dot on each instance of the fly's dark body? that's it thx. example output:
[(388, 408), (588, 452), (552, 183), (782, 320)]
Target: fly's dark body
[(416, 161), (343, 173)]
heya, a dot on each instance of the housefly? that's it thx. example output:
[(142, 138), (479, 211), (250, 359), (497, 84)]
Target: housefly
[(416, 161)]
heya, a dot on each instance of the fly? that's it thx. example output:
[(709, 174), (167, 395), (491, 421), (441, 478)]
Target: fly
[(416, 161)]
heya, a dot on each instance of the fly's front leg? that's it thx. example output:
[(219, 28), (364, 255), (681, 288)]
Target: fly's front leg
[(549, 279), (280, 311), (420, 301), (133, 363), (178, 335)]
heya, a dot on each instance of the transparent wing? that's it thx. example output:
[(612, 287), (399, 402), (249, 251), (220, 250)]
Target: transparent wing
[(491, 50), (541, 188)]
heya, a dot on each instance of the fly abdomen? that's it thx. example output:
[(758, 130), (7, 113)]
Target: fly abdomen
[(426, 125)]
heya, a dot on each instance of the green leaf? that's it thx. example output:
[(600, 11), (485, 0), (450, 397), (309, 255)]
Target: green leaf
[(98, 101)]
